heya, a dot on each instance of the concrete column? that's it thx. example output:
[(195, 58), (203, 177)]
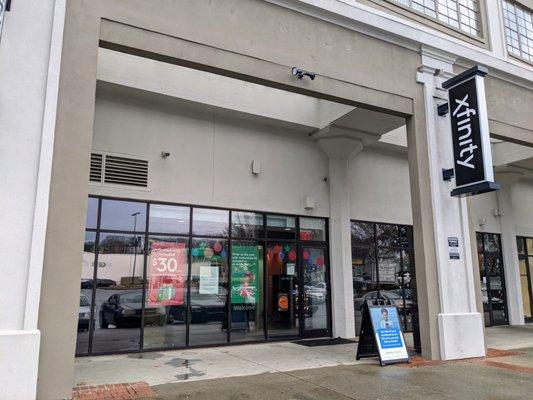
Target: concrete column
[(513, 288), (453, 322), (30, 50), (340, 145)]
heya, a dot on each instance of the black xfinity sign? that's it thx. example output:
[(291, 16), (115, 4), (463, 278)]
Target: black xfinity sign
[(470, 133)]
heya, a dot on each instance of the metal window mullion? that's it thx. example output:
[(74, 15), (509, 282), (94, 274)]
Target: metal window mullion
[(189, 264), (144, 275), (228, 294), (95, 276)]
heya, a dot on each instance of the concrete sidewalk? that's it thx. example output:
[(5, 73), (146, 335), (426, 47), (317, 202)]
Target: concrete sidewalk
[(295, 371), (462, 380)]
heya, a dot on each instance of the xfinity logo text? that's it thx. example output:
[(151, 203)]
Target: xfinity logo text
[(466, 154)]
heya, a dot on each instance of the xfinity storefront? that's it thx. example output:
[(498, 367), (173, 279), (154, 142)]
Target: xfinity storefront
[(219, 173), (160, 276)]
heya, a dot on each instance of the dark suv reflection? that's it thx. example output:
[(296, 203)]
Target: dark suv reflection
[(204, 308), (125, 310)]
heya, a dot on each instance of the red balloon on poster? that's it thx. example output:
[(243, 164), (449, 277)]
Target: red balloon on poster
[(320, 261), (292, 255), (306, 255), (217, 247)]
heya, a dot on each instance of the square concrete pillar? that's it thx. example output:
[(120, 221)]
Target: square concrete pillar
[(450, 324)]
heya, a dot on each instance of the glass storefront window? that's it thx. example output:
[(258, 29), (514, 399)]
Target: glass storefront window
[(246, 224), (246, 291), (529, 246), (312, 229), (123, 216), (210, 222), (365, 280), (209, 292), (492, 243), (281, 227), (406, 236), (492, 278), (91, 218), (118, 298), (200, 286), (169, 219), (362, 232), (166, 289), (315, 299), (520, 246), (387, 235), (383, 268)]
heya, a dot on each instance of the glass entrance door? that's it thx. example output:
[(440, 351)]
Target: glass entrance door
[(282, 290), (525, 259), (492, 279), (315, 299)]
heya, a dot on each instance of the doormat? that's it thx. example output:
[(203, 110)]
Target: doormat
[(323, 342)]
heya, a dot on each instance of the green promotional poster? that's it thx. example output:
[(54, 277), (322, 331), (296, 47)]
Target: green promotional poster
[(244, 275)]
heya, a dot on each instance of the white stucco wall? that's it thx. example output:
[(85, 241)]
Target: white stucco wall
[(379, 187), (480, 208), (30, 51), (522, 200), (24, 54), (211, 156)]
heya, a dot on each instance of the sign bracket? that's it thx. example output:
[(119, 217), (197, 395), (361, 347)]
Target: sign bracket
[(443, 109)]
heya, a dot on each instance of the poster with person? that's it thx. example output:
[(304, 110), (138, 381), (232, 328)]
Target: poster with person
[(388, 333), (244, 276), (166, 273)]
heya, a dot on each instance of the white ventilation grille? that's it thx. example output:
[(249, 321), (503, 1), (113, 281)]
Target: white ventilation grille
[(119, 170)]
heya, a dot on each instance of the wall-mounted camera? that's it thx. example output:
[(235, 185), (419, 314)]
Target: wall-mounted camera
[(300, 73)]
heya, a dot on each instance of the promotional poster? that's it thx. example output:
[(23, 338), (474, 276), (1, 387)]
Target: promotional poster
[(167, 273), (244, 277), (389, 337)]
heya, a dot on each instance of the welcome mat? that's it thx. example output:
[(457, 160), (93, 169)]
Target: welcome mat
[(323, 342)]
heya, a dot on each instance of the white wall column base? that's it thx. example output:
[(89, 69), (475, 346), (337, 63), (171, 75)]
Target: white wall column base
[(19, 352), (461, 336)]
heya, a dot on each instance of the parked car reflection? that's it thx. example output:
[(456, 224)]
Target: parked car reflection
[(125, 310), (88, 283), (392, 295), (84, 313), (204, 308), (317, 293)]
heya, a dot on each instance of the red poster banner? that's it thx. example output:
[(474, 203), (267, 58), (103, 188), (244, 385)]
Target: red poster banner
[(166, 278)]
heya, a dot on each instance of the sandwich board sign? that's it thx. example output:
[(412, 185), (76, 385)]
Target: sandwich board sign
[(381, 334), (470, 133)]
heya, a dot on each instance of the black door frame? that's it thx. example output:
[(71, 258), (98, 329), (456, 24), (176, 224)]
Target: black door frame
[(310, 333)]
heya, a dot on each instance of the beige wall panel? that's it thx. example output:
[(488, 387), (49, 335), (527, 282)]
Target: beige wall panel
[(379, 188), (511, 105), (481, 207), (211, 156), (269, 32), (522, 200)]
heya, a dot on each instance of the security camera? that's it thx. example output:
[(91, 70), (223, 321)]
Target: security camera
[(300, 73)]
